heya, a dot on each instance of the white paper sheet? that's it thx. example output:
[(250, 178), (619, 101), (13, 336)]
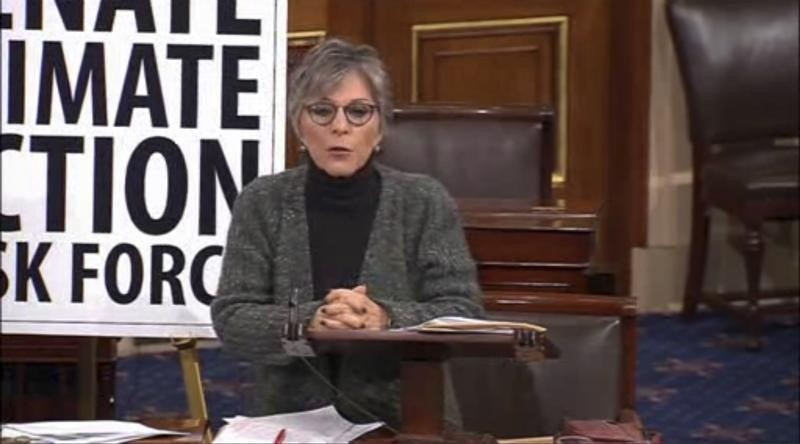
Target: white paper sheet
[(323, 425), (458, 324), (81, 431)]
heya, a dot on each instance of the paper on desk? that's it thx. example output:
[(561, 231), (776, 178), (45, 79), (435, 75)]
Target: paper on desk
[(458, 324), (323, 425), (81, 431)]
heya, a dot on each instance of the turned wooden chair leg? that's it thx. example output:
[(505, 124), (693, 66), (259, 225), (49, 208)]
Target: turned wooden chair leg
[(698, 252), (753, 257)]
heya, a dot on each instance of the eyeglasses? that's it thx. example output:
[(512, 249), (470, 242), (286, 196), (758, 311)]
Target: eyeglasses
[(357, 113)]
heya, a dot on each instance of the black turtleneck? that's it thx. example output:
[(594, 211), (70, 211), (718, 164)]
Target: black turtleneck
[(340, 214)]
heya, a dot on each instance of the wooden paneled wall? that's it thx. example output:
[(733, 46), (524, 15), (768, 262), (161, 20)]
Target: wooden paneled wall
[(512, 52), (307, 16), (466, 61), (588, 59)]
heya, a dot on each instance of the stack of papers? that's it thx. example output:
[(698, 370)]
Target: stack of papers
[(68, 432), (323, 425), (457, 324)]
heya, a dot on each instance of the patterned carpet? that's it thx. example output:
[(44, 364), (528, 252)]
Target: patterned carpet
[(695, 384)]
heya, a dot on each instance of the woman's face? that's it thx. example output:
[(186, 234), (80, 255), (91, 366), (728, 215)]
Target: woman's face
[(341, 129)]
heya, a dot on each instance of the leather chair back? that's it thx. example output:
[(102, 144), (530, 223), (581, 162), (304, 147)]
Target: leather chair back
[(739, 62), (500, 152), (512, 399)]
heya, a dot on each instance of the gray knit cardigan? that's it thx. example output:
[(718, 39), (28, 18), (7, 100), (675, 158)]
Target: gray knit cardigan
[(417, 266)]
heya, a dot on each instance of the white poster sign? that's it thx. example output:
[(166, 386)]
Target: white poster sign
[(128, 128)]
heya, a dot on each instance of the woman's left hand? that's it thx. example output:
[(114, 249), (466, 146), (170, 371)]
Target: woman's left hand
[(353, 309)]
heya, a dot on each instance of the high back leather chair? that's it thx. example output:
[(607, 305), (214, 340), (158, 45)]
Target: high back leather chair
[(496, 152), (739, 63), (594, 377)]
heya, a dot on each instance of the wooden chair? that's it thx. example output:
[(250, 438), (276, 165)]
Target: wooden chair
[(739, 63), (476, 152), (497, 162)]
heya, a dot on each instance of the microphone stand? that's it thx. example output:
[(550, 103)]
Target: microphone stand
[(293, 338)]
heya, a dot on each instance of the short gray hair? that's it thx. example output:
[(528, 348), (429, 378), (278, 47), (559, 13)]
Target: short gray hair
[(326, 64)]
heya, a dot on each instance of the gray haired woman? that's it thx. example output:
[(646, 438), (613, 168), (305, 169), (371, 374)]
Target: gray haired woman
[(362, 245)]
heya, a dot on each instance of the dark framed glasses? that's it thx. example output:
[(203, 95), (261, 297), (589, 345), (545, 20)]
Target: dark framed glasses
[(357, 113)]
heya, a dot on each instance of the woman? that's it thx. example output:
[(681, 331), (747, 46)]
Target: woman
[(362, 245)]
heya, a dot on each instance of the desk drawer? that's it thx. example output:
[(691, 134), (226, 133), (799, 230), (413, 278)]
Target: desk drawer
[(530, 245), (533, 277)]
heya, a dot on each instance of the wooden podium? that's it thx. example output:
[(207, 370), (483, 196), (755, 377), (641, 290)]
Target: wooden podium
[(422, 370)]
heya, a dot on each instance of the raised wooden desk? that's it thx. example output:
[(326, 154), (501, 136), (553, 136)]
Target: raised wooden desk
[(520, 246)]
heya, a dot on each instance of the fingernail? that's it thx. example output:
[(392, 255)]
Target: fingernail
[(363, 325), (324, 311), (323, 322)]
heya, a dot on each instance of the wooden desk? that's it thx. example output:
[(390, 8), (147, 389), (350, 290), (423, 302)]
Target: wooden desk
[(422, 371), (39, 377), (384, 436), (520, 246)]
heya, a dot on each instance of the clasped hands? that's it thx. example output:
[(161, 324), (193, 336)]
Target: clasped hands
[(347, 309)]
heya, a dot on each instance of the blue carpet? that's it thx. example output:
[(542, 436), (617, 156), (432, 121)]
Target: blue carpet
[(695, 384), (152, 385)]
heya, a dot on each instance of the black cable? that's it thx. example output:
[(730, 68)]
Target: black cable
[(341, 395)]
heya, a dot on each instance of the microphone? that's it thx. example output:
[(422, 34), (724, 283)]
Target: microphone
[(292, 338)]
